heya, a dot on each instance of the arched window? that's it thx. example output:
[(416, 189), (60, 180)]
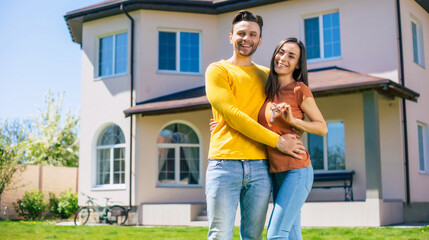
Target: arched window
[(111, 157), (178, 156)]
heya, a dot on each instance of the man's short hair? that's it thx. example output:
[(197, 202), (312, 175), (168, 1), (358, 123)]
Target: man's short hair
[(247, 16)]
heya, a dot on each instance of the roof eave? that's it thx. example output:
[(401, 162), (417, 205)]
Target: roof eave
[(424, 4), (189, 108), (385, 87), (75, 19)]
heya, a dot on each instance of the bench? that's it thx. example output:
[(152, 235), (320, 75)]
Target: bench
[(346, 177)]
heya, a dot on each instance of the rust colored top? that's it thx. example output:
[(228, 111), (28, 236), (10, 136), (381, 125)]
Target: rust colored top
[(292, 94)]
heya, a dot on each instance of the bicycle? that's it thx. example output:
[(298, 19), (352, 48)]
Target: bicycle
[(114, 214)]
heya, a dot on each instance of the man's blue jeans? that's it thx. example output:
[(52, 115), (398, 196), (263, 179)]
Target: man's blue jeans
[(231, 181), (290, 190)]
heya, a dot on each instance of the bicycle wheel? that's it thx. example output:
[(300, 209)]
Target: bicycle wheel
[(117, 214), (82, 216)]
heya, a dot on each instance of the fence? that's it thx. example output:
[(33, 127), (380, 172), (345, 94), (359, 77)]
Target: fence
[(45, 178)]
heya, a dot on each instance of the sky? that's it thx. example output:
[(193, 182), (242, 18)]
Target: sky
[(37, 54)]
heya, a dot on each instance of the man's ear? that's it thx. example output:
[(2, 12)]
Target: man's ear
[(230, 37), (260, 41)]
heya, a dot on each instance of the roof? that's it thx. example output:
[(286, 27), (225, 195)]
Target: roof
[(424, 4), (189, 100), (324, 82), (76, 18)]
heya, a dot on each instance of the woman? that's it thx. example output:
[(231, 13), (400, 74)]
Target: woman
[(288, 99)]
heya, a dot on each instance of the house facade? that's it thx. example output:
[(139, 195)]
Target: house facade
[(144, 115)]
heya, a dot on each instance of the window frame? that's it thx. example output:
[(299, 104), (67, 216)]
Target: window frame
[(425, 144), (325, 150), (177, 146), (420, 41), (98, 38), (177, 71), (320, 15), (112, 147)]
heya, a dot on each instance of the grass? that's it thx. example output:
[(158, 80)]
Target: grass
[(48, 230)]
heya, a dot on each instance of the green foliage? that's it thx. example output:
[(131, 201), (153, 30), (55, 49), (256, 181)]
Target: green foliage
[(44, 230), (64, 206), (52, 140), (32, 205), (11, 150), (53, 203), (47, 139)]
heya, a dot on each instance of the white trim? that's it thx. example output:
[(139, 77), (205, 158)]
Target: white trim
[(95, 149), (97, 77), (109, 187), (101, 78), (200, 56), (320, 15), (321, 38), (178, 73), (325, 150), (425, 136), (420, 45), (316, 60), (177, 154)]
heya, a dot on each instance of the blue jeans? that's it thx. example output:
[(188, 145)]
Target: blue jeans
[(290, 190), (231, 181)]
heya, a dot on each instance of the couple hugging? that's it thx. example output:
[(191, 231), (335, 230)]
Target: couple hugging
[(254, 147)]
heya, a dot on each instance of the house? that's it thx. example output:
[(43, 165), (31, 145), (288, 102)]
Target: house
[(144, 115)]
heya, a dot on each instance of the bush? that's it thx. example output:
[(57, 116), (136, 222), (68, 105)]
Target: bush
[(32, 205), (64, 206)]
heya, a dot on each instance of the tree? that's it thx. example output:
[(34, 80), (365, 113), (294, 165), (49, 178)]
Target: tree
[(51, 140), (11, 150)]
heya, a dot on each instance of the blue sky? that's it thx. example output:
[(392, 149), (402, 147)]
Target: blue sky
[(37, 54)]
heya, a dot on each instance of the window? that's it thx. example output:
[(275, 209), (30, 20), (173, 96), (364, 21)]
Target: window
[(417, 38), (178, 156), (112, 58), (423, 141), (111, 157), (179, 51), (328, 153), (322, 36)]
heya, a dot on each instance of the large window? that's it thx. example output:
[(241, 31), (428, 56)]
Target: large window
[(417, 37), (322, 36), (112, 59), (423, 141), (328, 153), (178, 156), (111, 157), (179, 51)]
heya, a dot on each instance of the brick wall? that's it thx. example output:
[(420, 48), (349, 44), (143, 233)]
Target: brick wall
[(46, 178)]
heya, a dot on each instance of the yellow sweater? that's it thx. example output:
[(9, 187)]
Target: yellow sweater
[(236, 94)]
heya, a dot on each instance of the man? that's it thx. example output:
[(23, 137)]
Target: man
[(238, 169)]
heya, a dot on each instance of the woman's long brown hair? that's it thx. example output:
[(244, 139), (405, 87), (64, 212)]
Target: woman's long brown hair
[(300, 75)]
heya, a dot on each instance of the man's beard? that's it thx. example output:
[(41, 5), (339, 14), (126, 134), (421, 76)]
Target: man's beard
[(250, 53)]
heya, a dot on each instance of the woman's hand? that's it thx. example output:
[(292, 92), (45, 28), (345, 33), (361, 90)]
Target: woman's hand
[(213, 124), (286, 111)]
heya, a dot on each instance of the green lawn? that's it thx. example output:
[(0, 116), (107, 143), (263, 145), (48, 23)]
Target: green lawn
[(45, 230)]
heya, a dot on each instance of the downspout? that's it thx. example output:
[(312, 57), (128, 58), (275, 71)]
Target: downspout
[(404, 106), (131, 99)]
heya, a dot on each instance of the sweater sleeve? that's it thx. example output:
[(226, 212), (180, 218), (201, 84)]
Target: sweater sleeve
[(221, 97)]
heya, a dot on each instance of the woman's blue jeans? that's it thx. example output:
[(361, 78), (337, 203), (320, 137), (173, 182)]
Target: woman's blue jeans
[(229, 182), (290, 190)]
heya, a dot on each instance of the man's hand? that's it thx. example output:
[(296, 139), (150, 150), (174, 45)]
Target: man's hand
[(290, 144)]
